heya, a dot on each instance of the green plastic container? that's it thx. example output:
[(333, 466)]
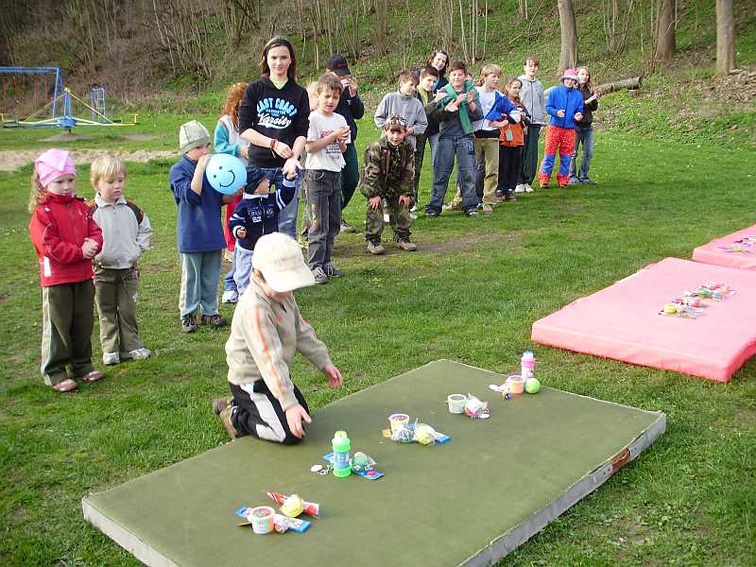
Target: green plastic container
[(340, 461)]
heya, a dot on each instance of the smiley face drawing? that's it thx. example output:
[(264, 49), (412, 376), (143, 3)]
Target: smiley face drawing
[(226, 173)]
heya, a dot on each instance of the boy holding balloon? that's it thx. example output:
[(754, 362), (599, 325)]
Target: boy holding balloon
[(199, 230), (254, 216)]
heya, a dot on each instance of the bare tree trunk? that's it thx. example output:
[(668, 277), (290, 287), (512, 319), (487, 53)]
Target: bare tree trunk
[(725, 36), (569, 49), (665, 39)]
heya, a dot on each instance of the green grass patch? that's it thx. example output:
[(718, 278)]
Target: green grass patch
[(470, 293)]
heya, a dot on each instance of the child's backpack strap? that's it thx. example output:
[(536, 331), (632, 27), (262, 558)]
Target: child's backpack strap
[(138, 213)]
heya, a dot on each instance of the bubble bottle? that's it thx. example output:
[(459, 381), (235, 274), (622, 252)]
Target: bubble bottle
[(340, 460), (527, 362)]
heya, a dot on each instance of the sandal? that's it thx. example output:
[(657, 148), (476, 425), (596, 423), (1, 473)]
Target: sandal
[(93, 376), (66, 385)]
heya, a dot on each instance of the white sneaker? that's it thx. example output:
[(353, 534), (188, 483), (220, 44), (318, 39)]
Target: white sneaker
[(520, 188), (413, 216), (140, 353), (528, 188), (230, 296), (110, 358)]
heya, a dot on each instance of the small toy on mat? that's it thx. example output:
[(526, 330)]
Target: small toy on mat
[(741, 245), (294, 505), (264, 520), (680, 310), (415, 433), (476, 408), (360, 464)]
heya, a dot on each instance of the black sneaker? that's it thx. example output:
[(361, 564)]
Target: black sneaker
[(188, 323), (431, 213), (214, 320), (332, 271), (471, 213)]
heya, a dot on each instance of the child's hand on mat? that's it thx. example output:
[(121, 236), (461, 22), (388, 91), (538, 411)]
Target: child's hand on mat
[(560, 113), (405, 201), (374, 203), (335, 379), (578, 116), (294, 416)]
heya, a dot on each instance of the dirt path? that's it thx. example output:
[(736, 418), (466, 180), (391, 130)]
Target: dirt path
[(12, 160)]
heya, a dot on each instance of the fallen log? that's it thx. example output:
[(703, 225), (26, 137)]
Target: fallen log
[(631, 84)]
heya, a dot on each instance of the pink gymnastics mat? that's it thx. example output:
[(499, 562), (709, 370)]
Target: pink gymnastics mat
[(623, 321), (736, 250)]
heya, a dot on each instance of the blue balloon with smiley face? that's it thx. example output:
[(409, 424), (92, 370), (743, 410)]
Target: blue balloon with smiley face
[(226, 173)]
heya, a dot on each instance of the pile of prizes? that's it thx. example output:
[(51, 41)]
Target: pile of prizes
[(265, 520), (691, 304)]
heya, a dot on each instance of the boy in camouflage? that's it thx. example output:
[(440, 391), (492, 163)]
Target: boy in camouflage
[(389, 173)]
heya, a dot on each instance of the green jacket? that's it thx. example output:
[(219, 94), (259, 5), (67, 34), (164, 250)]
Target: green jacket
[(388, 170)]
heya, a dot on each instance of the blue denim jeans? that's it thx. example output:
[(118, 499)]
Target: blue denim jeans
[(584, 136), (462, 148), (228, 279), (244, 266), (287, 218), (200, 273)]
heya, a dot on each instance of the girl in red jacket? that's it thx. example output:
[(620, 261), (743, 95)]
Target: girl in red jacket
[(66, 238)]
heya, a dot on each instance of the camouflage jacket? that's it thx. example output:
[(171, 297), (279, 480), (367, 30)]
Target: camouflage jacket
[(388, 170)]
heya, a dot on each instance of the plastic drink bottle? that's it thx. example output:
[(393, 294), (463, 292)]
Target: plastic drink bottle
[(340, 461), (527, 362)]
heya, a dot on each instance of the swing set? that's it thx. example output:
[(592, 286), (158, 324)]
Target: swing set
[(54, 103)]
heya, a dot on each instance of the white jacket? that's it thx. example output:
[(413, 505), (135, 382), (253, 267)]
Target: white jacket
[(126, 232)]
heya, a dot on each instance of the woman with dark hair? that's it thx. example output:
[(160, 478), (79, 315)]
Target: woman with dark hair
[(273, 118), (439, 60)]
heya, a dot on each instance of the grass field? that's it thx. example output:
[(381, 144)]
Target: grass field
[(470, 293)]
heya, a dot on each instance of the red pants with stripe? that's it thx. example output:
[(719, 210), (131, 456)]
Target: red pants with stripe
[(561, 140)]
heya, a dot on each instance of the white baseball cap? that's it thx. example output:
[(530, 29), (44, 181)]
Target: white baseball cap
[(279, 259)]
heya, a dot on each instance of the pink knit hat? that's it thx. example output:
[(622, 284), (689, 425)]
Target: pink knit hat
[(53, 164), (570, 74)]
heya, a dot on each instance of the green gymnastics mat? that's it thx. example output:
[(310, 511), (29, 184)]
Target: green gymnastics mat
[(470, 501)]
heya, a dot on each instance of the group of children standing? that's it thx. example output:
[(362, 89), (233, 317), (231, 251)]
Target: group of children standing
[(492, 134), (88, 252)]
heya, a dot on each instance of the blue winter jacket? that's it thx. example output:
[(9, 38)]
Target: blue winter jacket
[(569, 100), (502, 107), (258, 214), (199, 225)]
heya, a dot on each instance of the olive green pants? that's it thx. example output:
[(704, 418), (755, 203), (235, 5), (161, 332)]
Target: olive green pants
[(67, 322), (116, 297)]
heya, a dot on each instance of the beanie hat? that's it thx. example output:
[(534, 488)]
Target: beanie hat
[(192, 135), (278, 258), (570, 74), (254, 176), (53, 164), (395, 121)]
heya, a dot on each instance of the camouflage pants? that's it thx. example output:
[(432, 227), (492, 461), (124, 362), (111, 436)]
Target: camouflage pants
[(399, 220)]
